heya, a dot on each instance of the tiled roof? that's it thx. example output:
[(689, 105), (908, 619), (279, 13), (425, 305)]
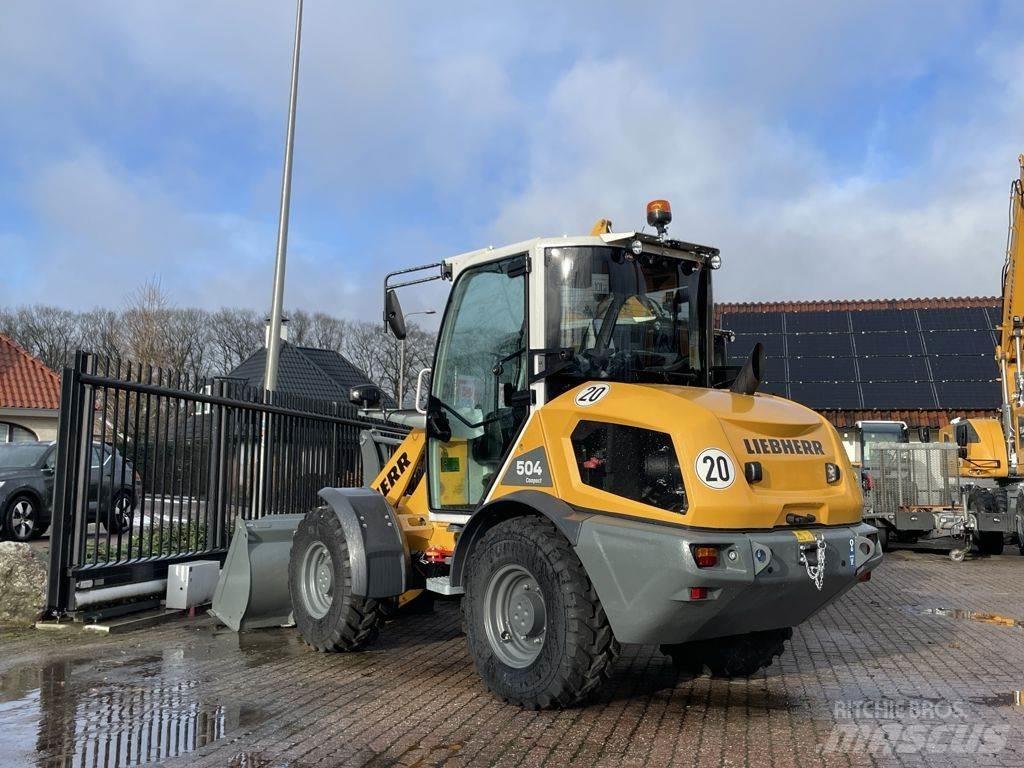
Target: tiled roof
[(24, 381), (852, 305), (320, 374), (914, 419)]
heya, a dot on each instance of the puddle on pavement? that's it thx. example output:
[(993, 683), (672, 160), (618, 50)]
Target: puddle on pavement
[(984, 618), (118, 712)]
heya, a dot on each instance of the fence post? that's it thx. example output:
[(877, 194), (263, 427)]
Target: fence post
[(218, 468), (60, 585)]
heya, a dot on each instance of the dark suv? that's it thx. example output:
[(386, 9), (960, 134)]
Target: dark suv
[(26, 488)]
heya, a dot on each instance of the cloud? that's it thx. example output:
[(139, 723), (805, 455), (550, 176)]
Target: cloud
[(831, 150), (791, 224)]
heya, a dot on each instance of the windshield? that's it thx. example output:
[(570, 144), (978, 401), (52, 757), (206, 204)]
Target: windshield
[(15, 455), (879, 435), (625, 317)]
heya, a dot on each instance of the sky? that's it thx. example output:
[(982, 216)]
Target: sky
[(831, 150)]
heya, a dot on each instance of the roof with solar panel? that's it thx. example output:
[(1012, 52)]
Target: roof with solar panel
[(930, 358)]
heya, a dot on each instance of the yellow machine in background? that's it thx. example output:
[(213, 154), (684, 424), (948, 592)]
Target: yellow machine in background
[(990, 449), (587, 472)]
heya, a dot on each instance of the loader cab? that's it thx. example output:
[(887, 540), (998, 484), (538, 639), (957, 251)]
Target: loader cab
[(526, 323), (873, 432)]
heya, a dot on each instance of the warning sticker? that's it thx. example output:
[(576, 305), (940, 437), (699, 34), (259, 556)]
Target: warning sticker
[(804, 537)]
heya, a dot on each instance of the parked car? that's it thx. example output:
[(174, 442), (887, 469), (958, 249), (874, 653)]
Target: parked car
[(26, 488)]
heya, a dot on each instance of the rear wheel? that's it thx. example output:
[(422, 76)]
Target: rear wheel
[(990, 542), (21, 518), (733, 656), (329, 617), (536, 629), (119, 518)]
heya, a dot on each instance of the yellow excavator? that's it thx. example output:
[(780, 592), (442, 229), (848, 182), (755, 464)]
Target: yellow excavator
[(990, 449), (586, 472)]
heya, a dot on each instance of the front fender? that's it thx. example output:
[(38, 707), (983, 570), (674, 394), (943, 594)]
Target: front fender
[(377, 552), (517, 503)]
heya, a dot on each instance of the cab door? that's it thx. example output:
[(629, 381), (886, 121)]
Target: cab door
[(479, 393)]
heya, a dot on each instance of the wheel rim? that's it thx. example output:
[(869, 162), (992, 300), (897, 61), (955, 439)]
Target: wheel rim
[(23, 519), (515, 616), (317, 580), (122, 513)]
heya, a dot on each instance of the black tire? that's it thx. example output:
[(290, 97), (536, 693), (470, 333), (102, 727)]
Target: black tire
[(21, 520), (733, 656), (348, 622), (119, 516), (883, 537), (981, 500), (990, 542), (576, 650)]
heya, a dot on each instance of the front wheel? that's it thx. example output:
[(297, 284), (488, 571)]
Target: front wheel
[(21, 519), (536, 629), (329, 617)]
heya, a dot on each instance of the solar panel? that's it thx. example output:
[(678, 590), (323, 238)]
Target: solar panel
[(994, 315), (893, 369), (886, 363), (773, 388), (822, 369), (819, 345), (753, 322), (981, 395), (817, 322), (816, 395), (899, 343), (954, 318), (883, 320), (958, 342), (745, 343), (964, 367), (903, 394)]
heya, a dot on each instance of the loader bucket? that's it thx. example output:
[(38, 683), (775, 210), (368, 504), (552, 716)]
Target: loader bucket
[(253, 588)]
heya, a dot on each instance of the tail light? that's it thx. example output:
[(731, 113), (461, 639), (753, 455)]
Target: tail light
[(866, 481), (706, 557), (698, 593)]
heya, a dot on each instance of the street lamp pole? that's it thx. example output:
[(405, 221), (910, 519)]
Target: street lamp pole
[(277, 304), (401, 360)]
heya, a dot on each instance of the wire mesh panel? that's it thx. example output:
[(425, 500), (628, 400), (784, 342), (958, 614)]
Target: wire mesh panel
[(914, 475)]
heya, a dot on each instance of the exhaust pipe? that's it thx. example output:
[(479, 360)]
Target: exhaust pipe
[(749, 378)]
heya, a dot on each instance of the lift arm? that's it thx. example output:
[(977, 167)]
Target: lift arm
[(1008, 352)]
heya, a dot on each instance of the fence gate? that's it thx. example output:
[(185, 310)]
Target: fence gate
[(153, 469)]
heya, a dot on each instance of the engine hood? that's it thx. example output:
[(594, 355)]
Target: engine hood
[(790, 443)]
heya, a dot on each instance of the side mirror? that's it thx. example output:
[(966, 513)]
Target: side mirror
[(393, 314), (749, 378), (365, 396), (925, 433), (961, 436)]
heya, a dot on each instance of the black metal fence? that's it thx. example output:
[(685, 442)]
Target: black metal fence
[(153, 468)]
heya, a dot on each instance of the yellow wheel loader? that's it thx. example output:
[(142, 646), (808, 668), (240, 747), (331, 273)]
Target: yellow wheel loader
[(990, 449), (585, 474)]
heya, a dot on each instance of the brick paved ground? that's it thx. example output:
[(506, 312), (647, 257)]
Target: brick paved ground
[(414, 700)]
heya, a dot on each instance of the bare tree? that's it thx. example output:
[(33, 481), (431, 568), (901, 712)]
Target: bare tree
[(197, 344), (378, 354), (234, 335), (145, 321)]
